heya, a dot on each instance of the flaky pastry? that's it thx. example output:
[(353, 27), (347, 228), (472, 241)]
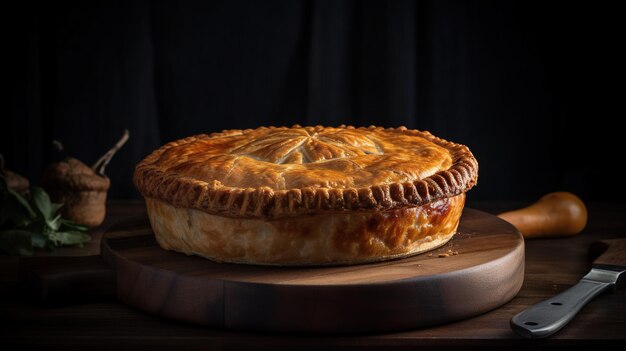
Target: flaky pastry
[(306, 195)]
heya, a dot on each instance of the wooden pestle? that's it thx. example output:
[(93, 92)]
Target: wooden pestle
[(558, 214)]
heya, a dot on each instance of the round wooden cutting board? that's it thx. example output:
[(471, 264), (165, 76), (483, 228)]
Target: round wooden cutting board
[(401, 294)]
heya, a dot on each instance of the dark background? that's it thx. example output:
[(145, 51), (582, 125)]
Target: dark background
[(531, 87)]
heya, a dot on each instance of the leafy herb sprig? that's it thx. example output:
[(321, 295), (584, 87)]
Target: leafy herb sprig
[(33, 222)]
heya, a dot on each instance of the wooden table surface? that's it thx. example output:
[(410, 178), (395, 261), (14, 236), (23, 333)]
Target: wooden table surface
[(552, 265)]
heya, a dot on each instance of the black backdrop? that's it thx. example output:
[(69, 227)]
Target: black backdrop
[(529, 86)]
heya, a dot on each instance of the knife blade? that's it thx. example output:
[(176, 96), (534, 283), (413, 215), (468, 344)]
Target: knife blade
[(549, 316)]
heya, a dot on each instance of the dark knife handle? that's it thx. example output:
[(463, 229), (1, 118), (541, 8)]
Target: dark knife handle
[(549, 316)]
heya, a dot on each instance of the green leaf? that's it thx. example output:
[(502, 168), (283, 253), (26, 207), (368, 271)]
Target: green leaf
[(40, 225), (22, 201), (39, 240), (55, 208), (13, 207), (16, 242), (42, 202), (19, 220), (36, 226), (14, 211), (68, 238), (66, 223), (55, 223)]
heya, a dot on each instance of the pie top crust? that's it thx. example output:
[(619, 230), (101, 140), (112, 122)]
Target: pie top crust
[(273, 172)]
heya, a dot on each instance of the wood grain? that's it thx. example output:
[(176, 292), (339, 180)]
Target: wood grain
[(552, 265), (394, 295), (614, 253)]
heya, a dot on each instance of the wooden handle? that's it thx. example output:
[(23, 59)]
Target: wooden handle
[(609, 252), (558, 214), (66, 280)]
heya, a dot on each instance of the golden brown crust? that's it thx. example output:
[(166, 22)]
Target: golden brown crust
[(320, 239), (279, 172)]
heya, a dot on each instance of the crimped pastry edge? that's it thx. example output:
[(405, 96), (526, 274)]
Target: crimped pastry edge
[(263, 202)]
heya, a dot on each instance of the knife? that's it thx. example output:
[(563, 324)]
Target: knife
[(549, 316)]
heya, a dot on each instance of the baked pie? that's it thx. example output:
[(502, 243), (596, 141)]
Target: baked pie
[(306, 195)]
